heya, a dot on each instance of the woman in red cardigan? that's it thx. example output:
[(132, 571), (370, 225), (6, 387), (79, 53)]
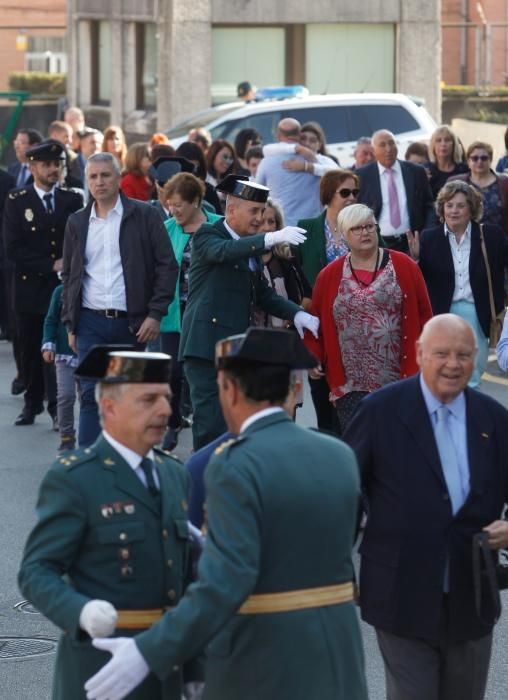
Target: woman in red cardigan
[(372, 304), (135, 182)]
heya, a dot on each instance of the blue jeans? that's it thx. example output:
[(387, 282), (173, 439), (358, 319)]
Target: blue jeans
[(94, 329), (467, 311)]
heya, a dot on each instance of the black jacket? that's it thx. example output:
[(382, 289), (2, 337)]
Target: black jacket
[(149, 266), (420, 205), (436, 264), (33, 242)]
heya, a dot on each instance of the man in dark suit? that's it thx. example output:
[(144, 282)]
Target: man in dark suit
[(20, 170), (34, 222), (397, 191), (119, 275), (225, 284), (432, 456)]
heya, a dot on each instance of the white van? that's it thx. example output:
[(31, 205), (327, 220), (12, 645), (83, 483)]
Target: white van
[(344, 118)]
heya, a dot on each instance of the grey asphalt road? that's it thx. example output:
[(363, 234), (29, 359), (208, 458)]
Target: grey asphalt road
[(25, 454)]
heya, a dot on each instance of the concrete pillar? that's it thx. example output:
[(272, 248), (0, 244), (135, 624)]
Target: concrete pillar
[(72, 53), (184, 60), (418, 70), (117, 61)]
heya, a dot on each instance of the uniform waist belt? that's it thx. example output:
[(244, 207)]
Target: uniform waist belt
[(260, 603), (138, 619)]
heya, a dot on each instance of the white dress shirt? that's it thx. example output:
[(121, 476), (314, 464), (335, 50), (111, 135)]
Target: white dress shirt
[(103, 281), (460, 255), (384, 217), (43, 193), (260, 414), (133, 459)]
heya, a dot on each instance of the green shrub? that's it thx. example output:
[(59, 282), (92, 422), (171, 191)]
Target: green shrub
[(39, 83)]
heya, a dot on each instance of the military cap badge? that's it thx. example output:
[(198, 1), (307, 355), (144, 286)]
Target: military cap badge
[(29, 215)]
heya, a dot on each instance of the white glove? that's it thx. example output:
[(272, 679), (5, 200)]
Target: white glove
[(289, 234), (121, 674), (193, 691), (304, 320), (98, 618)]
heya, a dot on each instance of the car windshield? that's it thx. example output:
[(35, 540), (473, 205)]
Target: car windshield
[(341, 123), (198, 120)]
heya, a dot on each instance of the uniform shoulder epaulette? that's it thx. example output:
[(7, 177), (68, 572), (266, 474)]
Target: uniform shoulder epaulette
[(166, 453), (76, 457), (227, 444), (14, 194)]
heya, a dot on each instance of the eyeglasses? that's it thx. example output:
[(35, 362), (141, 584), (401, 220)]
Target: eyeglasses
[(345, 193), (358, 230), (484, 159), (227, 159)]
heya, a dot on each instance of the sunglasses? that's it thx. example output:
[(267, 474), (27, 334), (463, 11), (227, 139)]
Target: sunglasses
[(227, 159), (484, 159), (345, 193)]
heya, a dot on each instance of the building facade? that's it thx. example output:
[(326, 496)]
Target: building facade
[(147, 64)]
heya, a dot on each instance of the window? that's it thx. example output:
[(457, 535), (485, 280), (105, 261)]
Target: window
[(101, 62), (47, 54), (265, 123), (365, 119), (146, 63)]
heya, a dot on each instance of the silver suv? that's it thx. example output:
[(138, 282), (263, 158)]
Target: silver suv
[(344, 118)]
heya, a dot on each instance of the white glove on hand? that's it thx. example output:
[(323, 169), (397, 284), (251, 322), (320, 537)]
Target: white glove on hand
[(98, 618), (121, 674), (193, 691), (289, 234), (304, 320)]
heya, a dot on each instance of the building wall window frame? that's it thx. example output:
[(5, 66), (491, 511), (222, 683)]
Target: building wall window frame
[(146, 65), (101, 63)]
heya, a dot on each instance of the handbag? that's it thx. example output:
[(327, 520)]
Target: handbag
[(496, 320), (487, 572)]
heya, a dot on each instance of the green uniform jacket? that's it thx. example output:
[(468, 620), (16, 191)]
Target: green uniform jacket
[(100, 528), (311, 254), (282, 503), (223, 291)]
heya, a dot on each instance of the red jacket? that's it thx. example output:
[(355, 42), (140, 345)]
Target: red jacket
[(416, 310), (136, 187)]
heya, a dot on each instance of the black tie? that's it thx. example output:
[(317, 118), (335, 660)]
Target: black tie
[(48, 201), (147, 467)]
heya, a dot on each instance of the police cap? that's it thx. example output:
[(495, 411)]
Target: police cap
[(240, 186), (47, 150), (267, 346), (164, 168), (122, 364)]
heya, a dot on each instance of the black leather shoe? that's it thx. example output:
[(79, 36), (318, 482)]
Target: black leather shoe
[(17, 387), (170, 440), (25, 418)]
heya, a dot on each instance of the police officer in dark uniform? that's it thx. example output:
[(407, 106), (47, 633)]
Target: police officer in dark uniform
[(113, 518), (34, 224)]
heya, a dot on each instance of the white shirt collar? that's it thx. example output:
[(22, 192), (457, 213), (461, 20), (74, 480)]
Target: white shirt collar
[(43, 193), (118, 209), (232, 233), (395, 167), (132, 458), (260, 414), (467, 232)]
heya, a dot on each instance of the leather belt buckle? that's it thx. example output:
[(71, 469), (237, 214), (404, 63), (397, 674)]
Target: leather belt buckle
[(111, 313)]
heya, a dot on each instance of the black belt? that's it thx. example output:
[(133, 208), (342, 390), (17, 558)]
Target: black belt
[(110, 313)]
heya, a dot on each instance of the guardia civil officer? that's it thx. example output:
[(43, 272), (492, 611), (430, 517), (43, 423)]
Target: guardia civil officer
[(34, 223), (112, 520), (273, 599), (225, 285)]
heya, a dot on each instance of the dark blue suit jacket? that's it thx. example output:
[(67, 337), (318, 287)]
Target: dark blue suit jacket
[(436, 264), (420, 204), (410, 528)]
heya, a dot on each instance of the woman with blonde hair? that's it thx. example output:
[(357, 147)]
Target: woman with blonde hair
[(446, 158), (372, 305)]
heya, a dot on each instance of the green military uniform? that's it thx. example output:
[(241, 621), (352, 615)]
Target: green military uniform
[(223, 292), (101, 535), (281, 504)]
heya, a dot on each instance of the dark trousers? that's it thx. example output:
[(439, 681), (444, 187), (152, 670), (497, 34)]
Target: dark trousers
[(38, 377), (418, 669), (325, 410), (398, 242), (208, 422), (170, 343), (95, 329)]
